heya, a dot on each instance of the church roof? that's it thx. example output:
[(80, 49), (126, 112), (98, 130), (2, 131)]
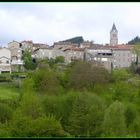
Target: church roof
[(113, 27)]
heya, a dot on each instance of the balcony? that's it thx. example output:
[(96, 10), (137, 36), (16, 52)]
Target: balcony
[(17, 62)]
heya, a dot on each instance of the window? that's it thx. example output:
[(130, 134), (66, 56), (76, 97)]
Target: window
[(7, 62), (114, 35)]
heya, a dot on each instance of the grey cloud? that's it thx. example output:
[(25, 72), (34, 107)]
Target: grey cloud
[(49, 22)]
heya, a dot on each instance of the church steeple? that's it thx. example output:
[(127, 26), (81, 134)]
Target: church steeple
[(114, 28), (114, 36)]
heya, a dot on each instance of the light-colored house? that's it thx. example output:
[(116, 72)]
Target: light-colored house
[(38, 45), (119, 56), (73, 54), (43, 53), (102, 55), (27, 45), (5, 60), (123, 56), (16, 55), (64, 45), (86, 44)]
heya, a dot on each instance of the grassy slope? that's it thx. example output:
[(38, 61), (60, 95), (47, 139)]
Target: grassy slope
[(8, 91)]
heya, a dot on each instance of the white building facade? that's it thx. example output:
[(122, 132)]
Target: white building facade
[(5, 60)]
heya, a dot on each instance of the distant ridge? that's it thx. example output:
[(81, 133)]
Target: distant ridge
[(76, 40), (134, 41)]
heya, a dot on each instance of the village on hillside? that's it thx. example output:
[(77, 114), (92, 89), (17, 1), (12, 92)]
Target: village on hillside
[(111, 56)]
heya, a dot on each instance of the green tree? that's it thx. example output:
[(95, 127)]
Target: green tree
[(30, 105), (86, 116), (5, 131), (114, 121), (5, 112), (134, 41), (130, 114), (46, 81), (135, 127), (29, 119), (60, 106), (44, 126), (78, 119), (136, 50), (96, 116), (59, 59), (29, 62), (120, 74), (86, 75)]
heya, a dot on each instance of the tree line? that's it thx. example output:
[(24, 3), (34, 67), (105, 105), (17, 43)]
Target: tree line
[(80, 99)]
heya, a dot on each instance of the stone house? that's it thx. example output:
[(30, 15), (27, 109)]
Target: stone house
[(73, 54), (119, 56), (27, 45), (43, 53), (86, 44), (16, 55), (64, 45), (123, 56), (102, 55), (38, 45)]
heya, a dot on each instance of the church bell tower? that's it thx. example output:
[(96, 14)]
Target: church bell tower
[(113, 36)]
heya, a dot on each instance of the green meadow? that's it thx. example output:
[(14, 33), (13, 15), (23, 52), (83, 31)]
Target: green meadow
[(8, 91)]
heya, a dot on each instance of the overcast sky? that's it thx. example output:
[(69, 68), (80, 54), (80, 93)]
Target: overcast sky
[(50, 22)]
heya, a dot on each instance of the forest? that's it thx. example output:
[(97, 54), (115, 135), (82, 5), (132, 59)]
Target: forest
[(80, 99)]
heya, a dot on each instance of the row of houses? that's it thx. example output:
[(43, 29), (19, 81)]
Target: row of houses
[(11, 57), (119, 56), (110, 56), (116, 56)]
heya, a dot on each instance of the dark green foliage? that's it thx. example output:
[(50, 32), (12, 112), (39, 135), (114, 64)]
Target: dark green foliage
[(5, 112), (30, 63), (30, 106), (45, 126), (83, 102), (5, 78), (138, 70), (86, 116), (85, 75), (120, 74), (45, 81), (134, 41), (133, 67), (59, 59), (60, 106), (135, 127), (130, 114), (5, 131), (76, 40), (51, 62)]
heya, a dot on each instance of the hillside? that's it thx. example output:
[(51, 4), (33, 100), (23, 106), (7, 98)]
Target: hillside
[(134, 41), (76, 40)]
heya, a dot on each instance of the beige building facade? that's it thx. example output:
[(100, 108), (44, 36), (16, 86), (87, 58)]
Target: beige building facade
[(5, 60)]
